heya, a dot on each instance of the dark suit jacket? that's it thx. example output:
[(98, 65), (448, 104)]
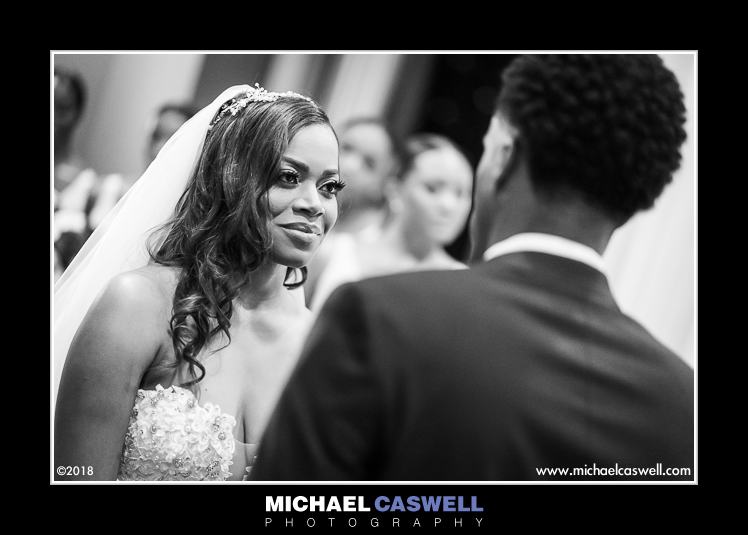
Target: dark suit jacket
[(520, 363)]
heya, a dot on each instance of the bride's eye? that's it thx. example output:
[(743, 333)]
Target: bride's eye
[(289, 178), (333, 187)]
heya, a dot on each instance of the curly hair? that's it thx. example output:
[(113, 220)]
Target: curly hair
[(607, 126), (219, 233)]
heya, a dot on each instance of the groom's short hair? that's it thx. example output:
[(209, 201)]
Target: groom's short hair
[(608, 127)]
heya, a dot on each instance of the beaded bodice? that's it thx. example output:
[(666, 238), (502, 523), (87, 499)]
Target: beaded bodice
[(172, 437)]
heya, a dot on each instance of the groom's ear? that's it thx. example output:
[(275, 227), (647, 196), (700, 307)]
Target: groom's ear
[(513, 151)]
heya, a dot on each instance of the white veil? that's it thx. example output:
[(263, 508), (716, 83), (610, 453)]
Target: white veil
[(119, 243)]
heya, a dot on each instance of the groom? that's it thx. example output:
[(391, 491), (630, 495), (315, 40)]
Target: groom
[(524, 362)]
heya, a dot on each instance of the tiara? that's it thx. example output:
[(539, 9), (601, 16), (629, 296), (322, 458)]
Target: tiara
[(253, 94)]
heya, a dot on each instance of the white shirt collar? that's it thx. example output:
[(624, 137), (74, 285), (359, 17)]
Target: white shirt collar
[(547, 243)]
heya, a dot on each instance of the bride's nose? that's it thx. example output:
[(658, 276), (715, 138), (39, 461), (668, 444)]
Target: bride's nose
[(309, 200)]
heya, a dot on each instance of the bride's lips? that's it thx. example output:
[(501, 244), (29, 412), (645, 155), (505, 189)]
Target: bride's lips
[(302, 231), (303, 227)]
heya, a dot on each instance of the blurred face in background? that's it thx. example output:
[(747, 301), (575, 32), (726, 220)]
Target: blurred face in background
[(434, 197), (66, 108), (366, 161), (167, 124)]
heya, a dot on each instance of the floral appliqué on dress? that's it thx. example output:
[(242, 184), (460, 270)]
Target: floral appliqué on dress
[(171, 437)]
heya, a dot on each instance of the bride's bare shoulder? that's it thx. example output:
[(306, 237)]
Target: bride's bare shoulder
[(127, 320), (165, 277), (150, 287)]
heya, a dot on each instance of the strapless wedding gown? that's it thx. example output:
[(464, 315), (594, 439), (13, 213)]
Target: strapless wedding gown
[(171, 437)]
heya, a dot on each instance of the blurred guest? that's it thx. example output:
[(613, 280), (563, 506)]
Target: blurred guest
[(369, 157), (69, 103), (168, 119), (75, 183), (429, 202)]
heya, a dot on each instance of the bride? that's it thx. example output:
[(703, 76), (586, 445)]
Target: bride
[(179, 341)]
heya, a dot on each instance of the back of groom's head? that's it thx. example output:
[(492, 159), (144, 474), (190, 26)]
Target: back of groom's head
[(608, 127), (577, 145), (605, 128)]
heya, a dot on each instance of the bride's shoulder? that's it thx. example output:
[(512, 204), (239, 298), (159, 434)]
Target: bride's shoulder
[(125, 323), (162, 277), (148, 288)]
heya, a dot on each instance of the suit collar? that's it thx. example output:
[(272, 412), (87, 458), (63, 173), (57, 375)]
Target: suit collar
[(549, 244), (552, 272)]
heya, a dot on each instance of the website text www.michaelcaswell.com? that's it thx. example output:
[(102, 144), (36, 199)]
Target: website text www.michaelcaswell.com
[(593, 470)]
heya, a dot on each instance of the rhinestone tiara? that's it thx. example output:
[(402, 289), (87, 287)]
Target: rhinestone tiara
[(253, 94)]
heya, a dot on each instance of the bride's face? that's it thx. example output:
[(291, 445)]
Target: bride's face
[(303, 199)]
